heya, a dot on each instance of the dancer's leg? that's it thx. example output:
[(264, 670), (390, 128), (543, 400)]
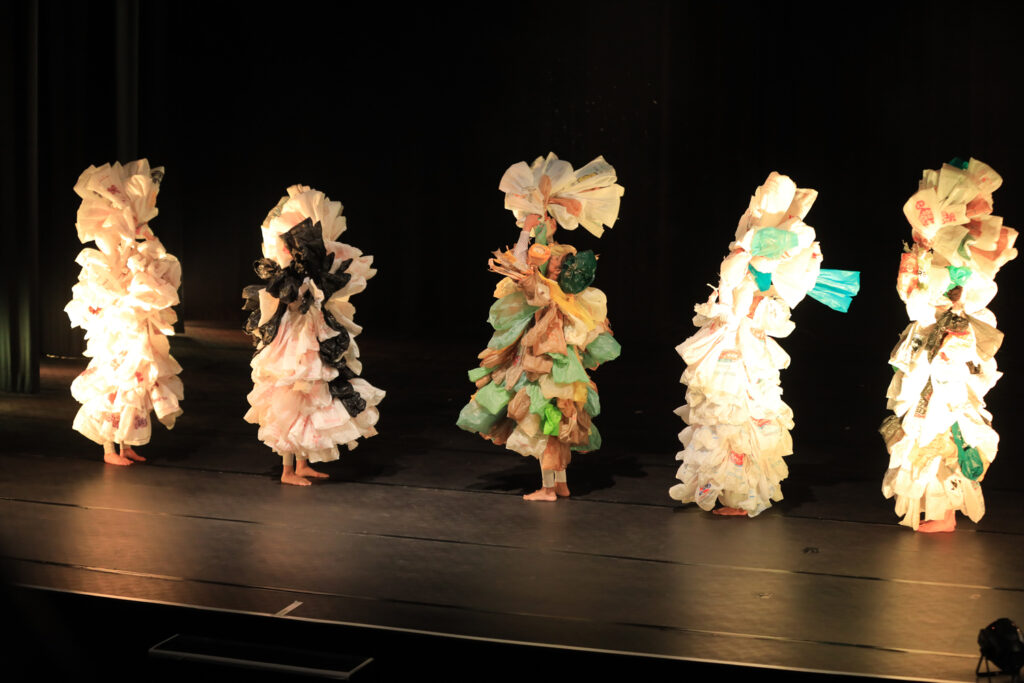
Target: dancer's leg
[(128, 452), (561, 485), (303, 469), (947, 523), (111, 457), (547, 491), (288, 475)]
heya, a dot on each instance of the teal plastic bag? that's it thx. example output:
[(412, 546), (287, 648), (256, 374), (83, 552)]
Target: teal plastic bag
[(603, 349), (970, 460), (836, 288), (763, 280), (772, 242), (958, 275)]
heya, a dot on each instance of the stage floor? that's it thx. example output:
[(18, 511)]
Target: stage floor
[(423, 528)]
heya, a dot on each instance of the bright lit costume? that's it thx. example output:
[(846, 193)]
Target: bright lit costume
[(123, 301), (940, 437), (307, 396), (533, 393), (738, 425)]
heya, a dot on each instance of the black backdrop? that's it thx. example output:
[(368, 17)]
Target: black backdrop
[(410, 116)]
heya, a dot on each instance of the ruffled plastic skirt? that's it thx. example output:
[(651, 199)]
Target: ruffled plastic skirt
[(119, 390), (738, 433), (291, 400)]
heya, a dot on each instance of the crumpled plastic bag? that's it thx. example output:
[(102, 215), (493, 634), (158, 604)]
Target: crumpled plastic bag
[(475, 418), (577, 272), (603, 349), (836, 288), (772, 243)]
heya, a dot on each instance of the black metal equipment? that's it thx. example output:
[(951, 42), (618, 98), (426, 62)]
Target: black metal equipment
[(1002, 644)]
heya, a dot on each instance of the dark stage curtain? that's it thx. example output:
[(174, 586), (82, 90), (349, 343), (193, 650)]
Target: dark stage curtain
[(74, 79), (409, 118), (19, 215), (86, 116)]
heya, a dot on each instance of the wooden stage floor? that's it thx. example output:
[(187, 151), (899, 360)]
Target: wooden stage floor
[(422, 528)]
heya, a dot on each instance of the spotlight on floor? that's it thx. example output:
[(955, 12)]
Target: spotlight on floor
[(1002, 644)]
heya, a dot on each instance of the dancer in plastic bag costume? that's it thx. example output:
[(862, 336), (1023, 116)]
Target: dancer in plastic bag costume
[(550, 326), (738, 431), (307, 396), (123, 301), (940, 437)]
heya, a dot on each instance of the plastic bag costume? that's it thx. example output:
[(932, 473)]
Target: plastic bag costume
[(738, 425), (550, 325), (307, 395), (123, 301), (940, 437)]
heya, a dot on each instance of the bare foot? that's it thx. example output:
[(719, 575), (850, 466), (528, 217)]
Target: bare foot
[(947, 523), (289, 477), (562, 489), (129, 452), (729, 512), (304, 470), (112, 458), (545, 493)]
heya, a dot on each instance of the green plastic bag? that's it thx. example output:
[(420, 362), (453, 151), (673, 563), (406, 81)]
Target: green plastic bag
[(502, 338), (566, 368), (964, 244), (509, 311), (477, 373), (537, 400), (577, 272), (473, 418), (509, 316), (593, 444), (601, 350), (493, 398), (593, 404), (552, 418)]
